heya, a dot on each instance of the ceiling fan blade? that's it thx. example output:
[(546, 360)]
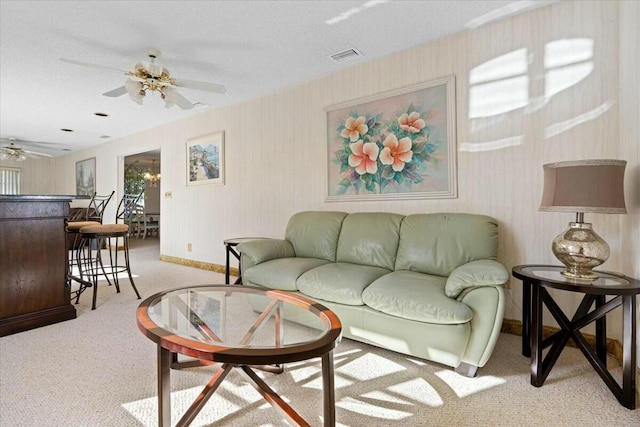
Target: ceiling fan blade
[(13, 141), (86, 64), (182, 102), (192, 84), (119, 91), (35, 153)]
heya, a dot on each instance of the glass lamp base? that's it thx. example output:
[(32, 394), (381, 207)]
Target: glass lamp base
[(580, 249)]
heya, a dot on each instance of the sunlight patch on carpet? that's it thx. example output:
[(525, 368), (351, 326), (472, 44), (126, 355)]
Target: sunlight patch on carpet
[(367, 367), (303, 373), (413, 392), (419, 391), (464, 386), (146, 410), (371, 410)]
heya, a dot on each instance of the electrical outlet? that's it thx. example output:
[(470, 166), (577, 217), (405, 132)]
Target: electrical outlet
[(189, 247), (168, 194)]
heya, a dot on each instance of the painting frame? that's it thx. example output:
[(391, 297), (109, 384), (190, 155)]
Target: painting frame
[(396, 145), (86, 177), (205, 162)]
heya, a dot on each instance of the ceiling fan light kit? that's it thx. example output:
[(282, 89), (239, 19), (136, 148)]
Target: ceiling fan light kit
[(152, 76), (11, 151), (18, 156)]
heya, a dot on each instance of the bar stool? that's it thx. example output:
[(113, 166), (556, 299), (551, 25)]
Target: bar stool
[(92, 216), (101, 235)]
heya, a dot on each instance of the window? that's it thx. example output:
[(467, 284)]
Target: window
[(9, 180)]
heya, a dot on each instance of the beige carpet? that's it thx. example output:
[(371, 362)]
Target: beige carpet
[(99, 370)]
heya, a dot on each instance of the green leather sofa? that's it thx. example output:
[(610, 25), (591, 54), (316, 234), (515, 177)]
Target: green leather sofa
[(426, 285)]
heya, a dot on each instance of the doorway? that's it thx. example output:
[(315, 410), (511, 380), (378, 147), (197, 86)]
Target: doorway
[(142, 172)]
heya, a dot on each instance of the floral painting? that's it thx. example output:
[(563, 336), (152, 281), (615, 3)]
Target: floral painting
[(394, 145), (205, 159)]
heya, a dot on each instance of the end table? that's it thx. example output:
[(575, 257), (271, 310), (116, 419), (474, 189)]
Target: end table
[(230, 244), (536, 280)]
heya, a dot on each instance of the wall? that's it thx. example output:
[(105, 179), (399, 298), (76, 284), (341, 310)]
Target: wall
[(37, 176), (152, 198), (630, 139), (554, 80)]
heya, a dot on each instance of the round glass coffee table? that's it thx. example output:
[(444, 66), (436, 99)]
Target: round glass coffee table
[(240, 327)]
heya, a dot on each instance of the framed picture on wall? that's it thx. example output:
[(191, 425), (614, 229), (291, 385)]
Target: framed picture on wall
[(395, 145), (205, 159), (86, 177)]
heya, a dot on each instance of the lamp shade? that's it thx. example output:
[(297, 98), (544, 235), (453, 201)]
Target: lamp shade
[(595, 186)]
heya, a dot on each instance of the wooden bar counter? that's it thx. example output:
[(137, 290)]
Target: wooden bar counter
[(33, 262)]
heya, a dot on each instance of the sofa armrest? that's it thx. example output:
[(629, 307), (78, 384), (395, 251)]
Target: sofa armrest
[(475, 274), (258, 251)]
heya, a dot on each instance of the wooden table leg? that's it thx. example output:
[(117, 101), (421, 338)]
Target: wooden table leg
[(628, 398), (227, 266), (537, 376), (526, 318), (239, 258), (164, 387), (328, 388), (601, 333)]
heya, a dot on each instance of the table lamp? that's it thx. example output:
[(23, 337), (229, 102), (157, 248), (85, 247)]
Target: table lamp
[(595, 186)]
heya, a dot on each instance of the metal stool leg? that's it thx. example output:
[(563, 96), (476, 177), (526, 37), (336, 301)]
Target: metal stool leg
[(126, 260), (94, 269), (84, 270)]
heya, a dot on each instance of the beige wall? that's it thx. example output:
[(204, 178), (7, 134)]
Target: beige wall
[(571, 106), (37, 176), (630, 140)]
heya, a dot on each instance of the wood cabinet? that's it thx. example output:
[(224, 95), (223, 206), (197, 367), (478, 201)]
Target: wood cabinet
[(33, 262)]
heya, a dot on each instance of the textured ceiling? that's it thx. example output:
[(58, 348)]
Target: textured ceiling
[(252, 47)]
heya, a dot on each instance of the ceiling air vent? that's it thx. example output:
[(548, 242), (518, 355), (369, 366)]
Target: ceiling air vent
[(346, 55)]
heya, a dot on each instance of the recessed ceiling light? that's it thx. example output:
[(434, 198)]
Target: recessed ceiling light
[(66, 130), (101, 114)]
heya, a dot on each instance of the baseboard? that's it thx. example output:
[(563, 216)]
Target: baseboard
[(199, 264), (614, 347)]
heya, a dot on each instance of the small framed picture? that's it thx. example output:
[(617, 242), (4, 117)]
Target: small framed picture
[(205, 159), (86, 177)]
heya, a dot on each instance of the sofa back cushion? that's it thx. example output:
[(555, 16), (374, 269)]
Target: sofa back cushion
[(438, 243), (370, 239), (315, 234)]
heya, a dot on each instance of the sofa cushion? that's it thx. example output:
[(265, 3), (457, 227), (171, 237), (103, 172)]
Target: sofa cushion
[(438, 243), (315, 234), (415, 296), (370, 239), (280, 273), (339, 282)]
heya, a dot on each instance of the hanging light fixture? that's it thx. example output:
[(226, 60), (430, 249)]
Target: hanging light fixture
[(152, 177), (151, 76), (18, 156), (13, 152)]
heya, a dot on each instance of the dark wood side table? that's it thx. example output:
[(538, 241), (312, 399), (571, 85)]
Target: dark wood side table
[(230, 245), (536, 280)]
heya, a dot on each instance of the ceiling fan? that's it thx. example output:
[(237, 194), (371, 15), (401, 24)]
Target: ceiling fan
[(152, 76), (11, 151)]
